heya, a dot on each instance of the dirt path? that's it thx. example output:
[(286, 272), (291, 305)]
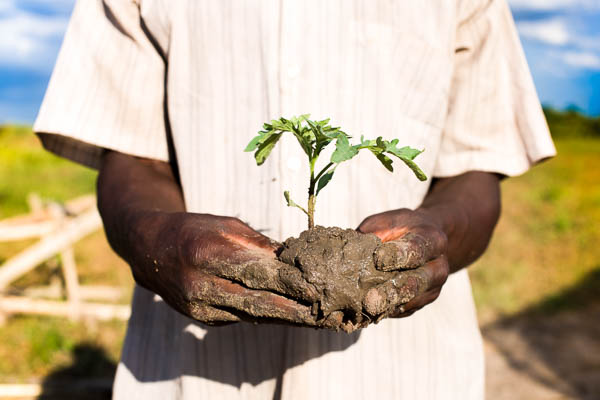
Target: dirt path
[(542, 357)]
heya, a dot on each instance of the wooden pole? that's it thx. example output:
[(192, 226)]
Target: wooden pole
[(23, 390), (13, 231), (69, 269), (24, 305), (72, 231), (86, 292)]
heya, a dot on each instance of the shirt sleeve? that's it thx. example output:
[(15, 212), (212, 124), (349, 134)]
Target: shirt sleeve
[(495, 122), (107, 87)]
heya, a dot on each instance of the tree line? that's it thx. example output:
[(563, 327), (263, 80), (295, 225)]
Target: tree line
[(571, 123)]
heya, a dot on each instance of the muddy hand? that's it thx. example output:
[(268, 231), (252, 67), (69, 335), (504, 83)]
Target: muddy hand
[(217, 269), (415, 247)]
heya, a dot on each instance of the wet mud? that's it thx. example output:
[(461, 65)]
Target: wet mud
[(350, 273)]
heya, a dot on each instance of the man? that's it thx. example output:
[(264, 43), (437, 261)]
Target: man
[(162, 96)]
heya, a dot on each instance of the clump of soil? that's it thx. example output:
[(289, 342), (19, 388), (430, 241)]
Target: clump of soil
[(342, 265)]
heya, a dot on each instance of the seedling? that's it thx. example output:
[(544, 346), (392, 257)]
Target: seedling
[(313, 137)]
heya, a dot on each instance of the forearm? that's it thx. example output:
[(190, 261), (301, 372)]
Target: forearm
[(467, 208), (130, 188)]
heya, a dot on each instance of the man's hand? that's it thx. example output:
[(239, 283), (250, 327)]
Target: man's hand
[(419, 247), (213, 269), (449, 231), (217, 269)]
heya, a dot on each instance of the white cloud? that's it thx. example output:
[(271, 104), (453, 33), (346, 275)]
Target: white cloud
[(545, 5), (7, 6), (552, 31), (29, 40), (568, 49), (584, 60)]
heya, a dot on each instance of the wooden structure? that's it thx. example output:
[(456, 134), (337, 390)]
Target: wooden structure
[(58, 227)]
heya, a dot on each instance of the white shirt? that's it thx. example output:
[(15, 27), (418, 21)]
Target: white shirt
[(446, 76)]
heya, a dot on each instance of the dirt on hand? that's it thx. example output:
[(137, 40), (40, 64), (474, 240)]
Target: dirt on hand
[(342, 265)]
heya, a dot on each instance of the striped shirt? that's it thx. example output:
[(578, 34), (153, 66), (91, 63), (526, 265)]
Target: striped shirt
[(446, 76)]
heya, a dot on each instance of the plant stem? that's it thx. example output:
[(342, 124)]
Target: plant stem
[(312, 199), (311, 211)]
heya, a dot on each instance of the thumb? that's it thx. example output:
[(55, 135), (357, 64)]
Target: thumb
[(254, 241), (382, 229)]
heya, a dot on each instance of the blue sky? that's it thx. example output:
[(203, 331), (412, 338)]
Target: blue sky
[(561, 39)]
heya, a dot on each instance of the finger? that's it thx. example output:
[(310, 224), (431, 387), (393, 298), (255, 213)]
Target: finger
[(386, 225), (201, 311), (406, 286), (397, 291), (210, 315), (386, 234), (221, 293), (410, 251), (415, 304), (253, 242), (421, 301), (266, 274), (243, 235)]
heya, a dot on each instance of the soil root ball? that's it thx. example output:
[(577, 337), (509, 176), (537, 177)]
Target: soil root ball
[(341, 265)]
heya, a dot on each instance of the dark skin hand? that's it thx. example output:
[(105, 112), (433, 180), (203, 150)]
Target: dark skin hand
[(204, 266), (449, 231)]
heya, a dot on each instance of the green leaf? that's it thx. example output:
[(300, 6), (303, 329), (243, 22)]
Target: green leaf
[(257, 140), (265, 148), (303, 143), (334, 134), (385, 160), (291, 202), (278, 125), (253, 143), (343, 150), (324, 180), (415, 168), (311, 124), (404, 152)]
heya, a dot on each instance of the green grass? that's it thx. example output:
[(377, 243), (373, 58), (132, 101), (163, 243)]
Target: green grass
[(547, 238), (26, 167), (33, 347)]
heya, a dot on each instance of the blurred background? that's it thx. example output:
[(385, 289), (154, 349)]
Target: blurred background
[(537, 288)]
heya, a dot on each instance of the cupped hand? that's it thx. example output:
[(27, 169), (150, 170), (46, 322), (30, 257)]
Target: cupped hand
[(217, 269), (414, 246)]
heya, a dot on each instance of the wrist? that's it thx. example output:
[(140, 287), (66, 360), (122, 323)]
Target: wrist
[(133, 234), (151, 248), (449, 218)]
